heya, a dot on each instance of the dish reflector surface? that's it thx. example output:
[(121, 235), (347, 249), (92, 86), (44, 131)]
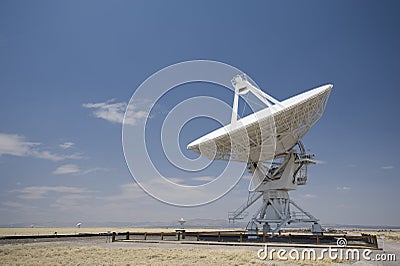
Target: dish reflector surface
[(262, 135)]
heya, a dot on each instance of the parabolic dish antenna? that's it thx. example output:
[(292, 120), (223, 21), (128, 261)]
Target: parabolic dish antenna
[(269, 141)]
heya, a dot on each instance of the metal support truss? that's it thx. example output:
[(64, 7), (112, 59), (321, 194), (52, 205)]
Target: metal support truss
[(278, 178)]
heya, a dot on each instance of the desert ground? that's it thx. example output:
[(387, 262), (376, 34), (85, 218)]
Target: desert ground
[(100, 251)]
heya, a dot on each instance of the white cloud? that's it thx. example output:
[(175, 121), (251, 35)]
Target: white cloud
[(74, 169), (67, 169), (40, 192), (14, 204), (128, 191), (309, 196), (69, 201), (62, 197), (54, 157), (16, 145), (387, 167), (172, 179), (204, 178), (114, 112), (67, 145), (344, 188)]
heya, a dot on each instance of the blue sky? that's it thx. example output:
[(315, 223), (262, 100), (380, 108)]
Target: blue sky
[(68, 69)]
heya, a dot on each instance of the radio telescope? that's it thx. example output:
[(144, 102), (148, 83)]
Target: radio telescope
[(269, 141)]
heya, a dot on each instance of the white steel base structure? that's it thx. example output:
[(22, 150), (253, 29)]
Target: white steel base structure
[(277, 208)]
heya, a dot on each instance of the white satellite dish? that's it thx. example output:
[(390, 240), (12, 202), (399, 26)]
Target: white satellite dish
[(275, 154), (181, 222)]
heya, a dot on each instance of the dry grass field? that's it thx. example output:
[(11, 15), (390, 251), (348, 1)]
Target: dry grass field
[(393, 235), (120, 256), (128, 256), (97, 251)]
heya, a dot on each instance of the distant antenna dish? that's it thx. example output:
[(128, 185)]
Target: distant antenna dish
[(276, 158), (181, 222), (78, 225)]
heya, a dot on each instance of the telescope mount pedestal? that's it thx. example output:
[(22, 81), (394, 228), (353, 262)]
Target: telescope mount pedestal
[(272, 183), (277, 208)]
